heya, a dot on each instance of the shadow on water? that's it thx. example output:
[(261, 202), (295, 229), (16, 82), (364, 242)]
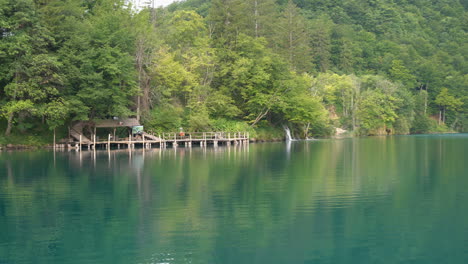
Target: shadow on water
[(367, 200)]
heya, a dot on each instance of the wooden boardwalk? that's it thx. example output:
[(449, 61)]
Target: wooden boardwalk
[(164, 140)]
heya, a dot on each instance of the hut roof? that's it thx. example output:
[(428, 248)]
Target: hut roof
[(122, 122)]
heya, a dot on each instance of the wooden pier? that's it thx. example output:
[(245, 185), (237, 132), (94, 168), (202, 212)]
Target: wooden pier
[(164, 140)]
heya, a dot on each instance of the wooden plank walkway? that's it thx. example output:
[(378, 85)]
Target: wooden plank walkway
[(150, 140)]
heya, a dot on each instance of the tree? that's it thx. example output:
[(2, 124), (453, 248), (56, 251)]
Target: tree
[(421, 122), (171, 80), (303, 109), (233, 60), (399, 72), (263, 15), (253, 77), (226, 21), (32, 77), (339, 93), (99, 61), (321, 43), (446, 102), (293, 39), (377, 112), (146, 45)]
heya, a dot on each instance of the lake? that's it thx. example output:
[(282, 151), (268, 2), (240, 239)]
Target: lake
[(400, 199)]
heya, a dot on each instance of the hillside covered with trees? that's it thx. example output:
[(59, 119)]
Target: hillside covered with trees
[(368, 66)]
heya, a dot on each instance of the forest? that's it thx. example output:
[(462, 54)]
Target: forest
[(370, 67)]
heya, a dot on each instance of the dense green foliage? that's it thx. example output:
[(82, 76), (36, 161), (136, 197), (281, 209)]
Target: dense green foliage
[(371, 67)]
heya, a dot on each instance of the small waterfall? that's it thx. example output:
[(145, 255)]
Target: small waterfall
[(288, 134)]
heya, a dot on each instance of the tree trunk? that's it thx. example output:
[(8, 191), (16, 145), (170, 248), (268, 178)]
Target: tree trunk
[(344, 103), (290, 38), (153, 12), (143, 99), (425, 99), (260, 116), (138, 108), (425, 104), (10, 117), (353, 115), (10, 125), (256, 18), (452, 127), (306, 132), (443, 116)]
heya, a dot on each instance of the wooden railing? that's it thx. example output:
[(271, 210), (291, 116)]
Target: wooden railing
[(200, 135), (188, 136), (203, 135)]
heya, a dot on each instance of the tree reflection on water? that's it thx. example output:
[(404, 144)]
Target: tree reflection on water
[(320, 201)]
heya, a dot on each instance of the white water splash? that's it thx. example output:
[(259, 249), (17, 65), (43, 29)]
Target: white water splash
[(288, 134)]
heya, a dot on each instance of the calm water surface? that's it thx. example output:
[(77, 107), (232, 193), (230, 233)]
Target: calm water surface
[(371, 200)]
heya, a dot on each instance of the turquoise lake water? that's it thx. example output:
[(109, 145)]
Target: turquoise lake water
[(401, 199)]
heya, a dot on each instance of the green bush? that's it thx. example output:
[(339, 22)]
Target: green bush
[(267, 132), (402, 126), (421, 124), (436, 128), (29, 140), (199, 120), (223, 124), (164, 119)]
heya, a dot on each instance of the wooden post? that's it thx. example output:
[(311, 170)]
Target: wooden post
[(80, 142), (130, 140), (143, 138), (114, 134), (108, 142)]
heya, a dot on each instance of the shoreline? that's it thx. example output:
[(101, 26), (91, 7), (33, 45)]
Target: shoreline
[(13, 147)]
